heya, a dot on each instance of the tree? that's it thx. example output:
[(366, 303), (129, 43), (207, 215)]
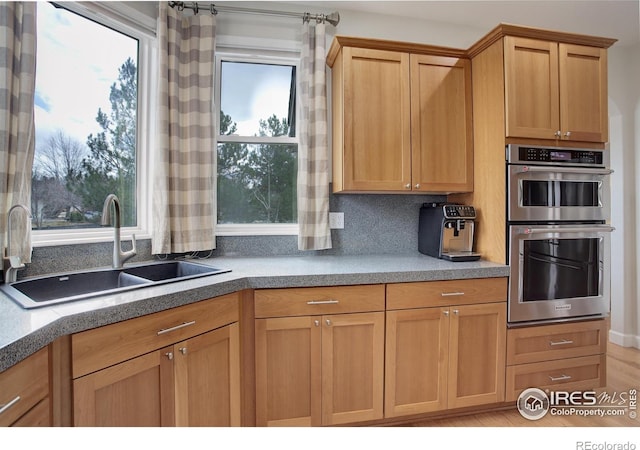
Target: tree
[(271, 174), (57, 163), (256, 182), (110, 167), (233, 196)]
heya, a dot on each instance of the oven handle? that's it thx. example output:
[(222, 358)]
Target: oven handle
[(555, 169), (598, 229)]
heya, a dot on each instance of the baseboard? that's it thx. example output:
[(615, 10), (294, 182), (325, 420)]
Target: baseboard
[(624, 340)]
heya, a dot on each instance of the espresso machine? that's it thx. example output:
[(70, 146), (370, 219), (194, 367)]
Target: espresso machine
[(446, 230)]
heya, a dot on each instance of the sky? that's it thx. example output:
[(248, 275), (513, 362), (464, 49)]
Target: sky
[(77, 62), (258, 100)]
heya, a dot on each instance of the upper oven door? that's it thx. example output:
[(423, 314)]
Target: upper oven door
[(552, 193)]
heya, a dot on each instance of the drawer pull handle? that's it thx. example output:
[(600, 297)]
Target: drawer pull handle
[(451, 294), (5, 407), (323, 302), (560, 378), (177, 327), (562, 342)]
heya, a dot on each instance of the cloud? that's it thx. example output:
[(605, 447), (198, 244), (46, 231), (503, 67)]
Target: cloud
[(40, 102), (77, 62)]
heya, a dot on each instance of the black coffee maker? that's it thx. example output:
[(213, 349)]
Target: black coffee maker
[(446, 231)]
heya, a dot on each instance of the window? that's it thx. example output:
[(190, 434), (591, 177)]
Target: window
[(87, 124), (257, 146)]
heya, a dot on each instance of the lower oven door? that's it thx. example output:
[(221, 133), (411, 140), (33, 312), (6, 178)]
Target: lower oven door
[(559, 272)]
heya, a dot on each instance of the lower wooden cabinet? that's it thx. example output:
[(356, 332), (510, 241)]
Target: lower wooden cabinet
[(319, 370), (170, 372), (24, 392), (319, 355), (137, 392), (444, 358), (192, 383), (441, 355), (565, 356)]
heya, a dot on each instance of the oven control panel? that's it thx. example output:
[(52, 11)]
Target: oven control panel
[(556, 156)]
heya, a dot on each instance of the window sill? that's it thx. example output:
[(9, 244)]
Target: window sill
[(283, 229)]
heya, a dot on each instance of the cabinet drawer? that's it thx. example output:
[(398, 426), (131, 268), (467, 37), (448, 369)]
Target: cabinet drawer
[(444, 293), (558, 341), (23, 386), (587, 372), (38, 416), (318, 300), (102, 347)]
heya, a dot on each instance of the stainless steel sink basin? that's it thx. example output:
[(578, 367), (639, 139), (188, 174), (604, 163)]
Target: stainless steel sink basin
[(73, 286)]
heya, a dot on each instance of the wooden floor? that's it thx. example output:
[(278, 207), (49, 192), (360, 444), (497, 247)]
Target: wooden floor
[(623, 373)]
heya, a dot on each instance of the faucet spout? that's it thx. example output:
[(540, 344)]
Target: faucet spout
[(10, 262), (119, 257)]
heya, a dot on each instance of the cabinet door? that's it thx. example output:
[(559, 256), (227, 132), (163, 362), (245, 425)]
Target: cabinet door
[(477, 354), (417, 348), (23, 385), (137, 392), (352, 367), (583, 93), (441, 124), (376, 128), (207, 376), (288, 359), (531, 88)]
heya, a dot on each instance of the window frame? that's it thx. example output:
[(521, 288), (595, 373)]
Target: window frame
[(126, 20), (248, 56)]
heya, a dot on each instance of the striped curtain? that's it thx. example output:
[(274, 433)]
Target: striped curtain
[(185, 169), (17, 129), (313, 160)]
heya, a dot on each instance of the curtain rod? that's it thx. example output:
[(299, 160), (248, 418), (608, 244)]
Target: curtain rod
[(333, 18)]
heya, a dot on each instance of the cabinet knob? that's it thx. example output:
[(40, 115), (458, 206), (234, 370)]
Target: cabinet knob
[(183, 350), (328, 322), (316, 323), (417, 186), (407, 186), (567, 134), (456, 312), (558, 134), (169, 355), (446, 313)]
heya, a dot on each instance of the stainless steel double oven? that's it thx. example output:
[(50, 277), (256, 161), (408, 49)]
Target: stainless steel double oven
[(558, 205)]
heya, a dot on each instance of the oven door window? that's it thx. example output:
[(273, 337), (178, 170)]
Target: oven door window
[(556, 269), (551, 194)]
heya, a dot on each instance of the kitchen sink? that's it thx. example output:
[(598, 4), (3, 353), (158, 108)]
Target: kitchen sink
[(73, 286)]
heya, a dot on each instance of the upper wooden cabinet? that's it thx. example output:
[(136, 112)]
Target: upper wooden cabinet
[(555, 90), (546, 86), (401, 117)]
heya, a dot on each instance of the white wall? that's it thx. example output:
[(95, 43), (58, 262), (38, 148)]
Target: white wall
[(624, 118)]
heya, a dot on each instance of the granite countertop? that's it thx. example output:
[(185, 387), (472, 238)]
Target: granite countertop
[(23, 332)]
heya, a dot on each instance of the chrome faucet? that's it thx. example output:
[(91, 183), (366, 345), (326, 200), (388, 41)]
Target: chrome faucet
[(12, 263), (119, 257)]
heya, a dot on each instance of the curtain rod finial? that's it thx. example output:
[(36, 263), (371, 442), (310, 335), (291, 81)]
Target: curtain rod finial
[(333, 18)]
